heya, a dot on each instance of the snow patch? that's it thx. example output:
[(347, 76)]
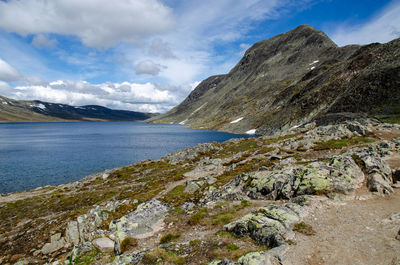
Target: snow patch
[(316, 61), (5, 103), (183, 122), (294, 127), (312, 68), (237, 120), (41, 106), (252, 131)]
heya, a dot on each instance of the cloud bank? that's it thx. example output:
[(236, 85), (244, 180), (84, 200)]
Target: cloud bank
[(98, 23)]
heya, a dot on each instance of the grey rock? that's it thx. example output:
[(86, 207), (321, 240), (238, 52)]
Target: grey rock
[(269, 225), (190, 153), (338, 174), (55, 237), (187, 206), (104, 244), (191, 187), (258, 258), (53, 246), (72, 233), (377, 183), (77, 251), (146, 220), (22, 262)]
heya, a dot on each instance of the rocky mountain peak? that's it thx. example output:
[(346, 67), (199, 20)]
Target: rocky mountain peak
[(291, 79)]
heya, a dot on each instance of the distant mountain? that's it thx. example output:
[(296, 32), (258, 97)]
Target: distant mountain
[(292, 79), (24, 111)]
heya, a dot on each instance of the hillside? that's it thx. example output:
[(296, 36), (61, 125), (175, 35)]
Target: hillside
[(313, 195), (292, 79), (34, 111)]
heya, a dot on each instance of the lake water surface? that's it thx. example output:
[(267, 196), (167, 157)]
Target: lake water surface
[(39, 154)]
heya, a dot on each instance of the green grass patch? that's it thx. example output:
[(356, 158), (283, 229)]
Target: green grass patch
[(304, 228), (196, 218), (338, 144), (232, 247), (89, 257), (176, 196), (128, 243), (169, 238), (167, 257)]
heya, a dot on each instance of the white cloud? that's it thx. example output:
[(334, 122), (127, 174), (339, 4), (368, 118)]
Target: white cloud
[(98, 23), (41, 41), (382, 28), (160, 48), (8, 73), (148, 67), (139, 97)]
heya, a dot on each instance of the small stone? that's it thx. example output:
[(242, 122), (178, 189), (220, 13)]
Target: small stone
[(104, 244), (55, 237), (398, 235), (191, 187), (53, 246)]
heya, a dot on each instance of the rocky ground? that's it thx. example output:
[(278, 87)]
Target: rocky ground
[(314, 195)]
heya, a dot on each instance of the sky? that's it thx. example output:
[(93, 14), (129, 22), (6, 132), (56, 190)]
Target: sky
[(148, 55)]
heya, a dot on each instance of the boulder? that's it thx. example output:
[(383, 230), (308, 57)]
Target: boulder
[(377, 183), (53, 246), (72, 233), (258, 258), (104, 244), (269, 225), (338, 174), (146, 220)]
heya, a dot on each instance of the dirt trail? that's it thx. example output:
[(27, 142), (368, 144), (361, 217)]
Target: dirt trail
[(350, 232)]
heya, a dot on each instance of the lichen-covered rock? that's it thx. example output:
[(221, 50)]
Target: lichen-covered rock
[(77, 251), (190, 153), (339, 174), (191, 187), (88, 225), (258, 258), (207, 167), (270, 225), (147, 219), (379, 173), (232, 191)]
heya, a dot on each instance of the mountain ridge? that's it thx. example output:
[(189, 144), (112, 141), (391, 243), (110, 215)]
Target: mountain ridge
[(291, 79), (37, 111)]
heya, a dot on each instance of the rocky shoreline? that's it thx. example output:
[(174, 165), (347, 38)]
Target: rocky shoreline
[(245, 201)]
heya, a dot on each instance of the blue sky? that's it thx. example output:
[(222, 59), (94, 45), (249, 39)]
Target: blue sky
[(147, 55)]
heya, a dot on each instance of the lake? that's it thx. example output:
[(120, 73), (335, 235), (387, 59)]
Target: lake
[(38, 154)]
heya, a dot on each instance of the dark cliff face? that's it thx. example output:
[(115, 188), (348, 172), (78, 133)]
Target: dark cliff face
[(18, 110), (291, 79)]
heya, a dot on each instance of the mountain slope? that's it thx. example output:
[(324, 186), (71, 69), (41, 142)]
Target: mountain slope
[(291, 79), (26, 111)]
